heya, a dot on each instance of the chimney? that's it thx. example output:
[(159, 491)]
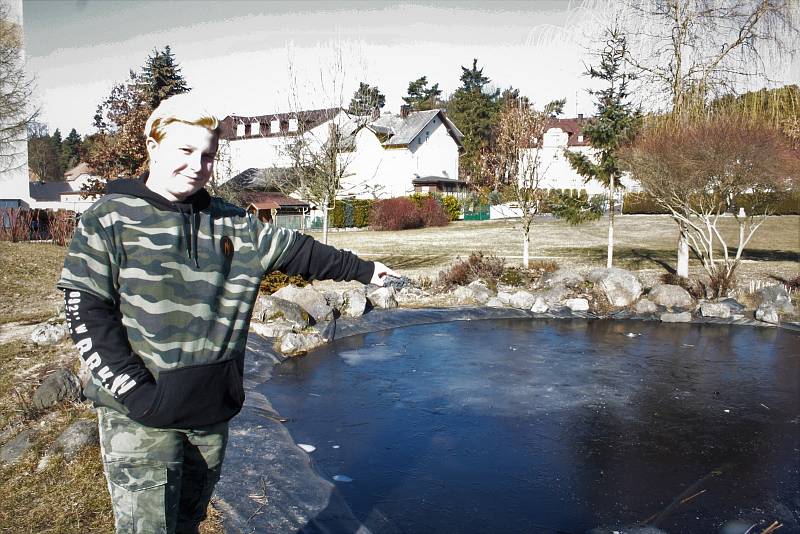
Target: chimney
[(580, 116), (405, 109)]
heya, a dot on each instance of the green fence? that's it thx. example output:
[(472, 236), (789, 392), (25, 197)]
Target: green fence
[(477, 213)]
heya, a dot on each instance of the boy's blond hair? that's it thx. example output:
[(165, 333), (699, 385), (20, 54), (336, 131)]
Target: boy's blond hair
[(183, 108)]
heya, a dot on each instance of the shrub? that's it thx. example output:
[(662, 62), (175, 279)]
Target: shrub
[(395, 214), (350, 213), (432, 213), (779, 203), (15, 224), (476, 267), (642, 204), (452, 207), (275, 280), (695, 289), (61, 226), (576, 208)]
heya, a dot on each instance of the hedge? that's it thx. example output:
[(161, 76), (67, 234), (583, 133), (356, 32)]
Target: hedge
[(641, 204), (780, 203), (350, 213)]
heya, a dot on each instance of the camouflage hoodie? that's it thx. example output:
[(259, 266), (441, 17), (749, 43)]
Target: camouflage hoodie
[(172, 285)]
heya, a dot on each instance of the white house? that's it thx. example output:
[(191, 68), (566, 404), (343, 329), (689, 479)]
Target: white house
[(389, 151), (555, 171), (66, 195)]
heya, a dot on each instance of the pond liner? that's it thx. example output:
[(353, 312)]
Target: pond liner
[(269, 484)]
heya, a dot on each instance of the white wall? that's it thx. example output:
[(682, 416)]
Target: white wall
[(438, 153)]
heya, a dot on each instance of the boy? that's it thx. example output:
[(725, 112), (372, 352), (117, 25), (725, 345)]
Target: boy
[(160, 282)]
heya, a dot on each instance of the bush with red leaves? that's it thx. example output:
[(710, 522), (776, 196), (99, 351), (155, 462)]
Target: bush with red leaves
[(432, 212), (395, 214)]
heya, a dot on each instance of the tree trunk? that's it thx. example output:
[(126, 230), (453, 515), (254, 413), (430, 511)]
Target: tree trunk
[(526, 244), (683, 255), (325, 222), (611, 209)]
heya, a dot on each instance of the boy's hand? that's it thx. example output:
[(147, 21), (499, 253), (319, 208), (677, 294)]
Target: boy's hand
[(381, 272)]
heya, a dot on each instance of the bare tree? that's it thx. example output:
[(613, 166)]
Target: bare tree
[(15, 93), (516, 159), (699, 172)]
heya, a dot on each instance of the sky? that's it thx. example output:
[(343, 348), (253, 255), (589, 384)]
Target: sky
[(258, 57)]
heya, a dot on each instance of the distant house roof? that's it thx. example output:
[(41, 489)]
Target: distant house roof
[(403, 130), (574, 128), (309, 118), (254, 178), (79, 169), (437, 180), (273, 200), (48, 191)]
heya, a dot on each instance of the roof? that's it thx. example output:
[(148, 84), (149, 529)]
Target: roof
[(403, 131), (274, 200), (77, 170), (573, 127), (48, 191), (264, 205), (310, 118), (424, 180), (254, 178)]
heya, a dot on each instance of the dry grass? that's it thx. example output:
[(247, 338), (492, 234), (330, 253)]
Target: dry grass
[(28, 276)]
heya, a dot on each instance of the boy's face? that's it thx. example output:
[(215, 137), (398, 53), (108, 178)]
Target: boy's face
[(181, 164)]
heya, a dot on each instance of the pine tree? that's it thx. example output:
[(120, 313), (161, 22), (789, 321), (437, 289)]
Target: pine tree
[(366, 99), (473, 110), (70, 150), (163, 77), (420, 96), (615, 122)]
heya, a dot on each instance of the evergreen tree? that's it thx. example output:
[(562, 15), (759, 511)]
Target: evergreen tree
[(615, 123), (58, 170), (163, 77), (473, 111), (70, 150), (366, 99), (420, 96)]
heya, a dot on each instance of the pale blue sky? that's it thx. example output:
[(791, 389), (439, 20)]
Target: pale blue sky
[(236, 53)]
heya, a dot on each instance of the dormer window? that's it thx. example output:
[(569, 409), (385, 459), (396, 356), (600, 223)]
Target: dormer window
[(275, 126), (580, 138), (292, 125), (255, 128), (240, 130)]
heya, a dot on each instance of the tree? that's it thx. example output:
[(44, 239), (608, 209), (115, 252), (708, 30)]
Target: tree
[(703, 170), (613, 125), (71, 150), (473, 109), (42, 154), (420, 96), (366, 100), (162, 75), (779, 107), (516, 158), (15, 93)]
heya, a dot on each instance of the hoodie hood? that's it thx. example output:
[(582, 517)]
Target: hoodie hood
[(189, 209)]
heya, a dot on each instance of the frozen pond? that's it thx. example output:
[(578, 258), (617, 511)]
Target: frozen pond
[(552, 426)]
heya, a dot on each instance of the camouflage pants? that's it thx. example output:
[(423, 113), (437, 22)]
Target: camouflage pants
[(160, 480)]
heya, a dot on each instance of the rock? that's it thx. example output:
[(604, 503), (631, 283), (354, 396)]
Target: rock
[(294, 343), (463, 295), (309, 299), (645, 306), (522, 299), (555, 295), (768, 314), (275, 328), (14, 449), (397, 283), (354, 303), (539, 305), (409, 295), (58, 386), (733, 305), (714, 309), (481, 291), (382, 297), (78, 435), (577, 304), (495, 302), (48, 333), (334, 298), (620, 287), (777, 297), (681, 317), (504, 297), (563, 277), (671, 296), (270, 308)]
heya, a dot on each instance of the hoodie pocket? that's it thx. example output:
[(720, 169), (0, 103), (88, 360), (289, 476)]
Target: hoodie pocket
[(200, 395)]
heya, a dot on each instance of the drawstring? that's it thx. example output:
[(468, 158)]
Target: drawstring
[(195, 231), (191, 232)]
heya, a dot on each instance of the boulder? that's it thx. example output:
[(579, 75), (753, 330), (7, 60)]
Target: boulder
[(271, 308), (733, 305), (275, 328), (495, 302), (620, 287), (382, 297), (354, 303), (645, 306), (768, 314), (504, 297), (563, 277), (681, 317), (78, 435), (577, 304), (334, 298), (49, 333), (14, 449), (295, 343), (522, 299), (777, 297), (481, 291), (59, 385), (555, 295), (309, 299), (539, 305), (463, 295), (714, 309), (671, 296)]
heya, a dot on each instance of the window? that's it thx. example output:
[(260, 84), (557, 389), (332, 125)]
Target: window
[(240, 130), (580, 139), (292, 125), (275, 126), (255, 128), (419, 140)]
